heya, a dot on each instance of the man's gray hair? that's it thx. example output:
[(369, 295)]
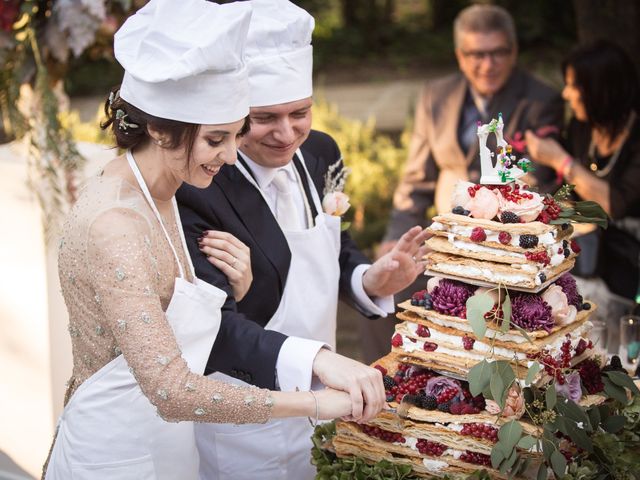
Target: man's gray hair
[(484, 19)]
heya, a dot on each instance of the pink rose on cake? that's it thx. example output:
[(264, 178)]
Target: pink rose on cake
[(484, 204), (513, 405), (527, 209), (561, 312)]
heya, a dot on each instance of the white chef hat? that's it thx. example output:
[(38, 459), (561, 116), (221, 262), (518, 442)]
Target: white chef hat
[(183, 60), (279, 54)]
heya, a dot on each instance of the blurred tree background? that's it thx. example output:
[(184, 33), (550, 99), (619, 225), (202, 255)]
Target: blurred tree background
[(354, 41)]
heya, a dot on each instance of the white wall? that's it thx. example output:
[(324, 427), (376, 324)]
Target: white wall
[(35, 349)]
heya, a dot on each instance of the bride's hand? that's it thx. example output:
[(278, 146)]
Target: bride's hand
[(332, 404), (231, 257)]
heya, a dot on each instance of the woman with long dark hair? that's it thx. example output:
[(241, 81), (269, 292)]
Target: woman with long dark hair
[(601, 157)]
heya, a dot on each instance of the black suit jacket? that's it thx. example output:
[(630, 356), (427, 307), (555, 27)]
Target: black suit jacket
[(243, 349)]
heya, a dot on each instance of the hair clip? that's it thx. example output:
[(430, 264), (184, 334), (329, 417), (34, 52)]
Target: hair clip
[(123, 124)]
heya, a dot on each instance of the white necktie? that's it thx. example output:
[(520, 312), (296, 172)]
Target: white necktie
[(286, 212)]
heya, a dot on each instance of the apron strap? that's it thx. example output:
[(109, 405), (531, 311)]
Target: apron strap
[(147, 195)]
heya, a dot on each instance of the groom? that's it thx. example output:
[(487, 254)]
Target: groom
[(271, 200)]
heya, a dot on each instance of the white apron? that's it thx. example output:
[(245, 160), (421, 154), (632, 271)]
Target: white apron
[(281, 448), (109, 430)]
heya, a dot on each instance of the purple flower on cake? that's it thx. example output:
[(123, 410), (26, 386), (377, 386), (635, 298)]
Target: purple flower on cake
[(450, 298), (561, 311), (570, 289), (436, 385), (571, 387), (531, 312)]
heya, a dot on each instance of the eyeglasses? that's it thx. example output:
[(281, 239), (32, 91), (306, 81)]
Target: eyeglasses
[(496, 55)]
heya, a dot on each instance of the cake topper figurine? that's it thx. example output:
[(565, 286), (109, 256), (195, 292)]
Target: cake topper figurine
[(507, 168)]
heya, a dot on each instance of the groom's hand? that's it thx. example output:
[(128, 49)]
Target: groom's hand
[(399, 267), (362, 383)]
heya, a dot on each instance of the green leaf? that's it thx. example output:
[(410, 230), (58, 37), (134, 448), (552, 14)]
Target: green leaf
[(504, 369), (527, 442), (558, 463), (623, 380), (594, 416), (615, 391), (344, 226), (479, 377), (579, 436), (523, 332), (563, 192), (542, 472), (574, 412), (506, 314), (509, 435), (477, 306), (614, 423), (498, 389), (496, 456), (531, 373), (509, 462), (551, 397)]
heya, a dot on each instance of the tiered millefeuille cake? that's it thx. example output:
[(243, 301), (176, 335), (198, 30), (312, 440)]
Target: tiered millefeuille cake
[(499, 291)]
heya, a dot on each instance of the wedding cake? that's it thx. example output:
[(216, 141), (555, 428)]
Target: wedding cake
[(496, 347)]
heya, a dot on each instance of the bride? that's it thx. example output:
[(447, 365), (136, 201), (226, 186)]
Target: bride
[(140, 322)]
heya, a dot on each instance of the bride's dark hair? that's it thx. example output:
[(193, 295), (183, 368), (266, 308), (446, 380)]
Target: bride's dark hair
[(129, 125)]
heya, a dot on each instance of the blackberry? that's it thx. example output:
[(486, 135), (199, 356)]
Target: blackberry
[(542, 277), (391, 398), (566, 252), (459, 210), (586, 306), (615, 362), (565, 244), (564, 226), (428, 402), (528, 241), (412, 399), (445, 407), (509, 217), (388, 382), (415, 302)]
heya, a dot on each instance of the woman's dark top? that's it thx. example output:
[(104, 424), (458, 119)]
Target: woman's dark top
[(619, 250)]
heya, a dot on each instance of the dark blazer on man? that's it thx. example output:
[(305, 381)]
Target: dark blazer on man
[(436, 159), (243, 349)]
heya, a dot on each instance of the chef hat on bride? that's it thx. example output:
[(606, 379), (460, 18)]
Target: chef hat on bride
[(183, 60), (279, 54)]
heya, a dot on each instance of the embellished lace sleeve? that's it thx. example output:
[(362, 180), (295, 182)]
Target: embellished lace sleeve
[(123, 270)]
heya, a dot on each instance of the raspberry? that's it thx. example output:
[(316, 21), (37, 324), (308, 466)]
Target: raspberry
[(478, 235), (528, 241), (430, 347), (388, 382), (428, 402), (423, 331), (575, 247), (539, 257), (381, 368), (396, 341), (509, 217), (504, 238), (468, 342)]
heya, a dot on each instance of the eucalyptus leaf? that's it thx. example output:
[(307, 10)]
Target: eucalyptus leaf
[(504, 369), (509, 435), (496, 457), (579, 436), (550, 397), (558, 463), (542, 472), (573, 411), (623, 380), (614, 423), (614, 391), (506, 314), (522, 332), (527, 442), (498, 389), (594, 416), (509, 462), (479, 377), (531, 373), (477, 306)]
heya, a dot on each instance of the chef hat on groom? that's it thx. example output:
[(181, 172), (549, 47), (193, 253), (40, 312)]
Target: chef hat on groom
[(183, 60), (279, 55)]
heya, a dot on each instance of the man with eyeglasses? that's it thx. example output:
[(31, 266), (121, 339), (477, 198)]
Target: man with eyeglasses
[(444, 144)]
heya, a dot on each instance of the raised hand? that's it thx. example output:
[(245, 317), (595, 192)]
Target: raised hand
[(231, 257), (362, 383), (399, 267)]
